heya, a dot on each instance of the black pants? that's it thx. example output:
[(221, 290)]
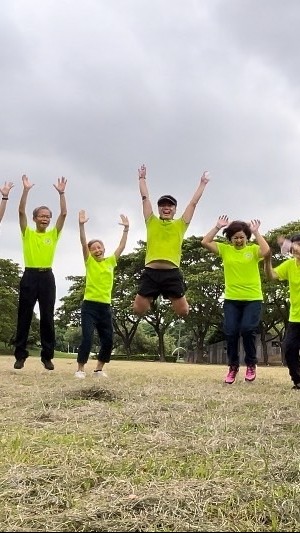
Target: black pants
[(95, 315), (291, 350), (36, 285)]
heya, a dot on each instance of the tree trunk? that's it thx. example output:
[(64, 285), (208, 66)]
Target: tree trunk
[(198, 356), (127, 345), (161, 346), (264, 346)]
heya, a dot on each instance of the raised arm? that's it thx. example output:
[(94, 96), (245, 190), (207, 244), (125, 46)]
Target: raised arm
[(147, 207), (208, 240), (264, 248), (5, 189), (269, 271), (82, 220), (190, 209), (284, 244), (123, 240), (60, 187), (22, 205)]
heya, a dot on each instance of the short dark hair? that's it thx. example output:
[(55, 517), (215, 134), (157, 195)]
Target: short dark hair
[(234, 227), (37, 209), (295, 238)]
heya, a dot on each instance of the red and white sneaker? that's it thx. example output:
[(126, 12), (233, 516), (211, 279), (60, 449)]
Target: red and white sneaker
[(250, 373), (232, 372)]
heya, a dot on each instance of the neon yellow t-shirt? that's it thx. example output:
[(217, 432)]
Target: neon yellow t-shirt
[(290, 270), (164, 239), (39, 247), (99, 279), (241, 272)]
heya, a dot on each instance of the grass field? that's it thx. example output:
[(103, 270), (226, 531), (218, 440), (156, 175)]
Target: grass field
[(155, 447)]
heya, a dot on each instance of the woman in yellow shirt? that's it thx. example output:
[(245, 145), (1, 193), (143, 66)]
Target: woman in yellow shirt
[(96, 305), (243, 295)]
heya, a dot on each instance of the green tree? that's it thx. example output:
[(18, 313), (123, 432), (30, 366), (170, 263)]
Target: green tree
[(68, 314), (34, 332), (143, 342), (205, 282), (10, 274), (160, 318), (72, 338), (125, 287), (60, 343)]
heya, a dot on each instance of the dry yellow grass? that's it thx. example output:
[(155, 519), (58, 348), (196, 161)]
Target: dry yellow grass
[(155, 447)]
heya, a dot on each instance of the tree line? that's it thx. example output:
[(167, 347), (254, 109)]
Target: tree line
[(160, 332)]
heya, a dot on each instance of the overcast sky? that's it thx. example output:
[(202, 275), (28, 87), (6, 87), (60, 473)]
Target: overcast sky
[(91, 89)]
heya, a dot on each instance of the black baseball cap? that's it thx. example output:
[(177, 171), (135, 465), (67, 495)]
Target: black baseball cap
[(295, 238), (167, 198)]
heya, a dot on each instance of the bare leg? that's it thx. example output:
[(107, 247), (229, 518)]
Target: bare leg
[(141, 305), (180, 306), (99, 366)]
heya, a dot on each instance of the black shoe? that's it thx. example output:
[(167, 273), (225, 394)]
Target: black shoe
[(48, 364), (19, 363)]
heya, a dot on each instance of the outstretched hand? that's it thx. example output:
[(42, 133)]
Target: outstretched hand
[(124, 222), (254, 225), (222, 222), (61, 185), (205, 177), (142, 172), (6, 188), (26, 183), (82, 217), (280, 239), (284, 244)]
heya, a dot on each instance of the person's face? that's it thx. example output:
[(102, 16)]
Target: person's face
[(295, 249), (239, 240), (97, 250), (42, 219), (166, 210)]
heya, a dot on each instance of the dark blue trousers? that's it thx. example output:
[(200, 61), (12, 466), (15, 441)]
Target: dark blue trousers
[(241, 318), (95, 315)]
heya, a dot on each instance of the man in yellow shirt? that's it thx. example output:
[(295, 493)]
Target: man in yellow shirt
[(165, 234), (37, 282), (289, 271)]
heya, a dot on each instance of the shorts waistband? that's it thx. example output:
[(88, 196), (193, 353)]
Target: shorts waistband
[(37, 269), (161, 269)]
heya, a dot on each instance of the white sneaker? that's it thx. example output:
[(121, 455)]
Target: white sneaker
[(100, 374), (80, 374)]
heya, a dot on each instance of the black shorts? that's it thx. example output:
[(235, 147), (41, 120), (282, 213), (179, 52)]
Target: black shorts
[(167, 282)]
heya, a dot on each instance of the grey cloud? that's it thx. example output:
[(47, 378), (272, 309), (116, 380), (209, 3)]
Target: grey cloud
[(91, 90), (269, 30)]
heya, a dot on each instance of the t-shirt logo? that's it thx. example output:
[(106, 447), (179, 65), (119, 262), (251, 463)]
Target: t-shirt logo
[(248, 255), (48, 241)]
